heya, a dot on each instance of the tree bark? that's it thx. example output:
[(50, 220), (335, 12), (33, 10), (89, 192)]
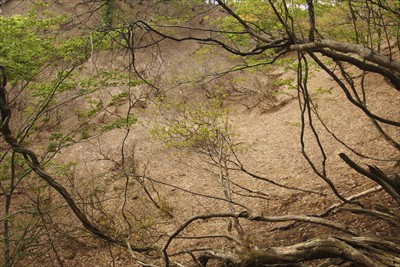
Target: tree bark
[(360, 50)]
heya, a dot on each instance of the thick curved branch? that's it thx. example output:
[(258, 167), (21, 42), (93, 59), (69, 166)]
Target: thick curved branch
[(319, 248), (393, 78), (366, 252), (362, 51), (249, 216), (362, 251)]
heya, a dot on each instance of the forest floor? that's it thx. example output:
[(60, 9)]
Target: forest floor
[(268, 126), (270, 132)]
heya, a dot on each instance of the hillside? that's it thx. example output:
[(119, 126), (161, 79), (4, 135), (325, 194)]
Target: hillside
[(191, 156)]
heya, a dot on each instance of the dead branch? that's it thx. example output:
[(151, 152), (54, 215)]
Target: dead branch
[(389, 185)]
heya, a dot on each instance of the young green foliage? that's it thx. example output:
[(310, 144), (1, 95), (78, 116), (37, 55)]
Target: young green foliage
[(202, 127), (25, 47)]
